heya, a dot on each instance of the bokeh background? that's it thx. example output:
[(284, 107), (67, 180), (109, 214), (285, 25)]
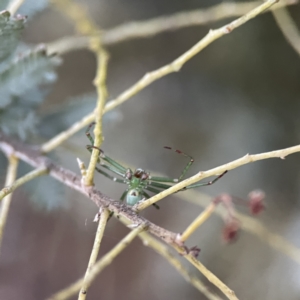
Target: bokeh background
[(240, 95)]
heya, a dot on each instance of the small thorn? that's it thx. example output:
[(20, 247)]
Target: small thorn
[(97, 217), (133, 225)]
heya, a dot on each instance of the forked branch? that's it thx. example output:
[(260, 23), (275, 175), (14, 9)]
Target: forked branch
[(150, 77)]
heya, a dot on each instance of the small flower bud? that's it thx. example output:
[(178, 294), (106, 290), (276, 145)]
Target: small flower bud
[(256, 203)]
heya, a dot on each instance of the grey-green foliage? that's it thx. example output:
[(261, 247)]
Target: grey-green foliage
[(26, 76), (62, 116), (66, 114), (45, 192), (10, 32), (4, 4), (29, 8), (20, 90)]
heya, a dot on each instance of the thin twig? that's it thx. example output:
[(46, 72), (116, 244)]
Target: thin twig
[(10, 178), (78, 14), (151, 27), (30, 156), (27, 154), (98, 267), (198, 221), (34, 158), (288, 27), (96, 247), (218, 170), (29, 176), (100, 83), (249, 224), (161, 249), (86, 26), (14, 5), (82, 167), (150, 77), (211, 277), (63, 136)]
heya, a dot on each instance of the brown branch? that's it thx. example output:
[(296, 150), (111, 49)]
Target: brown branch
[(33, 157)]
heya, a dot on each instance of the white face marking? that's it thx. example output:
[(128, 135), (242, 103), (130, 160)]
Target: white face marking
[(175, 180), (115, 179)]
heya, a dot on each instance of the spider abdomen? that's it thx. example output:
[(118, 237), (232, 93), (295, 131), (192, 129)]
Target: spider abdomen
[(133, 197)]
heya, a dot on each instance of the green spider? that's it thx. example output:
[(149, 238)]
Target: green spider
[(139, 182)]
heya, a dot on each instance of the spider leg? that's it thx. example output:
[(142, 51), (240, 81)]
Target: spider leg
[(159, 185), (112, 165), (154, 204), (87, 133), (123, 195), (203, 183), (188, 164), (150, 189), (114, 170), (102, 155), (110, 177), (162, 179)]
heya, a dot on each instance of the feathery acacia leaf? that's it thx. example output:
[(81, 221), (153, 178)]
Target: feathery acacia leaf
[(4, 4), (44, 192), (20, 90), (10, 32), (74, 108), (31, 7)]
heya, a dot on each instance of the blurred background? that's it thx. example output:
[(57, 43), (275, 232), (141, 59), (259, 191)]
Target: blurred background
[(240, 95)]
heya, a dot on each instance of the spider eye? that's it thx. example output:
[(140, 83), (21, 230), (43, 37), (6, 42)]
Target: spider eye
[(133, 197)]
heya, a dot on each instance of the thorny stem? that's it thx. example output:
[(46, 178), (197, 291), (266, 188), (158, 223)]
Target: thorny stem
[(82, 167), (14, 5), (11, 174), (147, 79), (161, 249), (102, 58), (151, 27), (30, 156), (94, 254), (198, 221), (218, 170), (210, 276), (33, 157), (29, 176), (98, 267), (86, 26)]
